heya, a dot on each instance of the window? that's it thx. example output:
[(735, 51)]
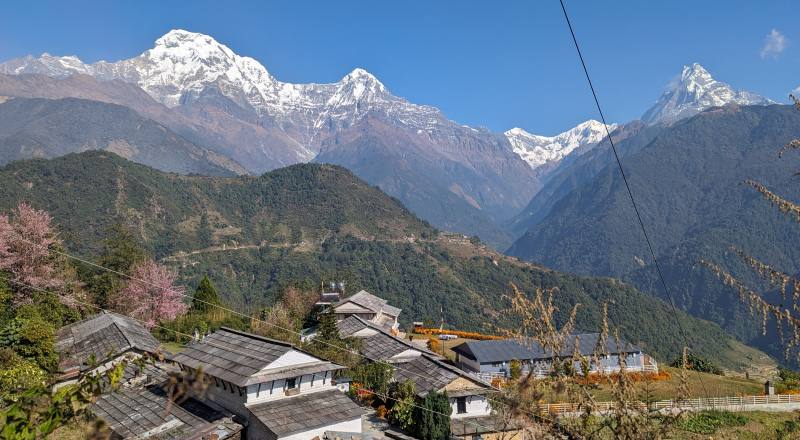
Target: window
[(461, 405), (291, 383)]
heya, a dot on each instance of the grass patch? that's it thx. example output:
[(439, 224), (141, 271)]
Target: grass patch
[(173, 347), (708, 422)]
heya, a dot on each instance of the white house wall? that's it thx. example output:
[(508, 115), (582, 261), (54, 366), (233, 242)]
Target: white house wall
[(309, 383), (476, 406), (292, 358)]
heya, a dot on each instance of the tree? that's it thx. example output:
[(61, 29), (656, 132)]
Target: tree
[(404, 396), (205, 297), (26, 242), (432, 417), (515, 369), (151, 295), (121, 252)]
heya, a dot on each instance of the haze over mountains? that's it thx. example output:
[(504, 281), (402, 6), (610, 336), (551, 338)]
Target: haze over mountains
[(225, 105)]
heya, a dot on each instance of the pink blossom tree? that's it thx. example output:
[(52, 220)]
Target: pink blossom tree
[(26, 242), (151, 295)]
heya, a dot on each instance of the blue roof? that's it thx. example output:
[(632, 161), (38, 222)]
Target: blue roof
[(505, 350)]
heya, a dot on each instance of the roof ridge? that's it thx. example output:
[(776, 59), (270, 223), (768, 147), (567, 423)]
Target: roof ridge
[(258, 337)]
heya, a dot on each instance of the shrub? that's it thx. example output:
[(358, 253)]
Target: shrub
[(461, 334), (696, 363), (434, 345), (515, 369)]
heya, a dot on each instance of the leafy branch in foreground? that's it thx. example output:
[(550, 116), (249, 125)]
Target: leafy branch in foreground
[(39, 411), (522, 401)]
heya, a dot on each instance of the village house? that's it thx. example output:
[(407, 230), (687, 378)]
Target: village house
[(280, 391), (98, 342), (492, 358), (377, 342), (368, 307), (471, 410), (140, 408)]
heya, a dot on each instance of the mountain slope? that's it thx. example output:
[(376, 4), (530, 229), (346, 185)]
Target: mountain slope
[(51, 128), (688, 183), (695, 90), (232, 105), (309, 222)]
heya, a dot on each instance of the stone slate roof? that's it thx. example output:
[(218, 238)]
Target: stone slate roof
[(382, 345), (470, 426), (100, 335), (431, 374), (238, 357), (306, 412), (147, 412), (505, 350), (372, 302)]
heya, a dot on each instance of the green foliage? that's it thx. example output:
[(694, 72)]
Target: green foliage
[(120, 253), (696, 363), (374, 376), (32, 339), (515, 369), (432, 417), (205, 297), (789, 430), (404, 397), (351, 232), (17, 375), (707, 422)]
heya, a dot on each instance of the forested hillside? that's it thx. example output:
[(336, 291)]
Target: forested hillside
[(688, 182), (299, 225)]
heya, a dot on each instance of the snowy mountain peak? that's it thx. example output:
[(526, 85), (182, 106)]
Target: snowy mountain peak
[(694, 91), (539, 150)]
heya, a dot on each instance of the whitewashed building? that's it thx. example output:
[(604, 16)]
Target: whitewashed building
[(281, 391)]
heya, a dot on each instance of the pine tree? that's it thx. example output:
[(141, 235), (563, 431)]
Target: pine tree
[(432, 417), (205, 297), (328, 332)]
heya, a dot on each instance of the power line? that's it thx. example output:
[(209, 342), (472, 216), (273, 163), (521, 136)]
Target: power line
[(384, 396), (627, 185)]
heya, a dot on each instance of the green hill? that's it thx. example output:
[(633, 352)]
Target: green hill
[(688, 182), (298, 225)]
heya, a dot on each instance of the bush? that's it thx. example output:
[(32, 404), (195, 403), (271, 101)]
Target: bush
[(515, 369), (33, 339), (434, 345), (17, 375), (696, 363), (459, 333)]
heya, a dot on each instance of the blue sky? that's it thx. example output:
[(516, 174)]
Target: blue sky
[(492, 64)]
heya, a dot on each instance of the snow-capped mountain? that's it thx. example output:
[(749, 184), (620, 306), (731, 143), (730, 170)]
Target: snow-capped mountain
[(185, 66), (540, 150), (457, 177), (694, 92)]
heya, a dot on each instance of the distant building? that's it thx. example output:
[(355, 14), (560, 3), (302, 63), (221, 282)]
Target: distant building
[(368, 307), (105, 339), (282, 392), (493, 357)]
